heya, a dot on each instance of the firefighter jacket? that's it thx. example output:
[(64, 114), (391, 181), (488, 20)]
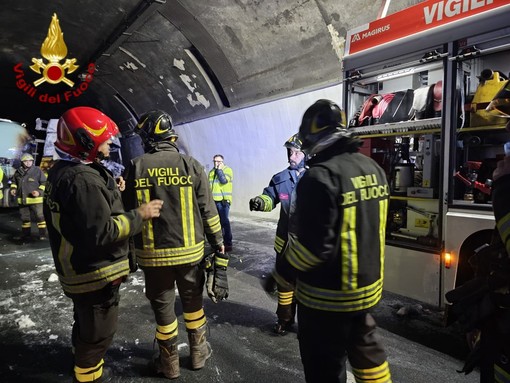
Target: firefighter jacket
[(25, 181), (279, 191), (87, 226), (220, 181), (337, 232), (189, 215)]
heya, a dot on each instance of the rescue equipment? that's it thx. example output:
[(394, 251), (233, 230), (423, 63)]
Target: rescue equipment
[(385, 108), (500, 104), (491, 82)]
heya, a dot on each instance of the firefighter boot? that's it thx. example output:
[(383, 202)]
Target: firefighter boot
[(25, 234), (42, 234), (199, 348), (167, 362)]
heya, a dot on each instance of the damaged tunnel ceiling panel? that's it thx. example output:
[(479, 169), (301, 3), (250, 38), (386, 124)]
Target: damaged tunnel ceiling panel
[(192, 58)]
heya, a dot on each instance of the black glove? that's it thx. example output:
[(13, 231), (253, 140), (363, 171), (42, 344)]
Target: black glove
[(220, 286), (257, 203), (217, 282)]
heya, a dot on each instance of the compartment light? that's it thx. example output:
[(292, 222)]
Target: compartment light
[(395, 74), (447, 256)]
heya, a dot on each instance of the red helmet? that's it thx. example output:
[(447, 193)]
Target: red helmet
[(81, 130)]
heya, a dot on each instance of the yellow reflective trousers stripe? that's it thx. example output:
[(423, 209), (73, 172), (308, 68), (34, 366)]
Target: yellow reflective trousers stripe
[(194, 320), (379, 374), (168, 331)]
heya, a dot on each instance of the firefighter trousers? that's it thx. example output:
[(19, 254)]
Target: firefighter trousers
[(29, 212), (95, 323), (160, 290), (327, 339)]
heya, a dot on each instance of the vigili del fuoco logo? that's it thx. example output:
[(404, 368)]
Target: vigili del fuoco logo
[(52, 71)]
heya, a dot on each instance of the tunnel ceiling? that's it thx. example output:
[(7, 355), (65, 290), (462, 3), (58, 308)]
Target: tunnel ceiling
[(192, 58)]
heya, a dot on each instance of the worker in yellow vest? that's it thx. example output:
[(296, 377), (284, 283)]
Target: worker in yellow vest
[(220, 179)]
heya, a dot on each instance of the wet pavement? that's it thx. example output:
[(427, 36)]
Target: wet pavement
[(36, 320)]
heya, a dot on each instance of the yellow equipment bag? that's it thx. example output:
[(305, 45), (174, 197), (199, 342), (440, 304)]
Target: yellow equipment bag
[(490, 84)]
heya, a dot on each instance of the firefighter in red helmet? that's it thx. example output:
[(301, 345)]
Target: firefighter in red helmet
[(335, 252), (88, 231)]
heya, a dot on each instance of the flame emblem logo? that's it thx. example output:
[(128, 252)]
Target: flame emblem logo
[(95, 132), (54, 49)]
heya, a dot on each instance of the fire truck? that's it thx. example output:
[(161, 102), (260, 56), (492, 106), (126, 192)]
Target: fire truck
[(418, 86)]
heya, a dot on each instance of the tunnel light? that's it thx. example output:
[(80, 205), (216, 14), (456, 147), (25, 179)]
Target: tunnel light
[(447, 257)]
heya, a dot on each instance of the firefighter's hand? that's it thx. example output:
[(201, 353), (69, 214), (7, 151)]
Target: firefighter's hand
[(221, 248), (35, 193), (151, 209), (257, 203), (121, 183), (503, 168)]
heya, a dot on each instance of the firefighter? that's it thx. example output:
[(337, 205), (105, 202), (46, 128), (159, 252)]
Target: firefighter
[(335, 252), (170, 249), (497, 330), (279, 191), (88, 232), (28, 184), (482, 305)]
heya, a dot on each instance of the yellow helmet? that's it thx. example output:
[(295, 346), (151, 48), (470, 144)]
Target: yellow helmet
[(26, 157)]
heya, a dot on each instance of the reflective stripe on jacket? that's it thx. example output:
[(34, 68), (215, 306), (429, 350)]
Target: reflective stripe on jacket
[(337, 236), (189, 215), (279, 191)]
